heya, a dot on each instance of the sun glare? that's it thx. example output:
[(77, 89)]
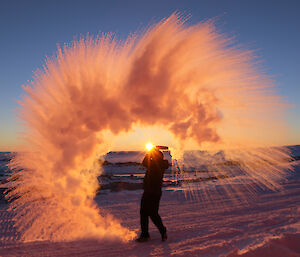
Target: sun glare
[(149, 146)]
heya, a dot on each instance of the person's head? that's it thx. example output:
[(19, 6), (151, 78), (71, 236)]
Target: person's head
[(155, 154)]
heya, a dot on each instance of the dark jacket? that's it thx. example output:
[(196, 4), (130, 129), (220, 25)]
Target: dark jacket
[(156, 167)]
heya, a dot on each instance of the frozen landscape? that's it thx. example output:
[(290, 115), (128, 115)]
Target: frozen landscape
[(176, 83), (268, 224)]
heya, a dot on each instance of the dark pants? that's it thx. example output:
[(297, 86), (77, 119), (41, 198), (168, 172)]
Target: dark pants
[(149, 207)]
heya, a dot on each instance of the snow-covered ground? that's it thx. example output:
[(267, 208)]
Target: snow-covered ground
[(269, 225)]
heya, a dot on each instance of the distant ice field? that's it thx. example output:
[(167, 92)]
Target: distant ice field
[(123, 170)]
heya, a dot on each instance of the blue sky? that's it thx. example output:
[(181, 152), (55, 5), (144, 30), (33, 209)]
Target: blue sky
[(31, 30)]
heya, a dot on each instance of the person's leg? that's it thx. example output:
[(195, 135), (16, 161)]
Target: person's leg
[(144, 217), (156, 219)]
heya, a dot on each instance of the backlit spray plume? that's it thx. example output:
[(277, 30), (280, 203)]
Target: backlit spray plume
[(188, 79)]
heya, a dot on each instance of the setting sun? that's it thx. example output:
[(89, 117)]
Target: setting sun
[(149, 146)]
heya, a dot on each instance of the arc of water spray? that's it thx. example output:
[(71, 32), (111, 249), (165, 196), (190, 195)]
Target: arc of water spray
[(188, 79)]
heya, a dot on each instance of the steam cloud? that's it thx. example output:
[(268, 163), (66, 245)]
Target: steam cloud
[(189, 79)]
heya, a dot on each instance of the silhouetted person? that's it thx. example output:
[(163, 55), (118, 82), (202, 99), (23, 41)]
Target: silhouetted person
[(156, 166)]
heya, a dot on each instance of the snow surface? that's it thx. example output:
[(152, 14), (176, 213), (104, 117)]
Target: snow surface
[(269, 225)]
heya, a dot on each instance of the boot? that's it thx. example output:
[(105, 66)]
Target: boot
[(143, 238), (164, 236)]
